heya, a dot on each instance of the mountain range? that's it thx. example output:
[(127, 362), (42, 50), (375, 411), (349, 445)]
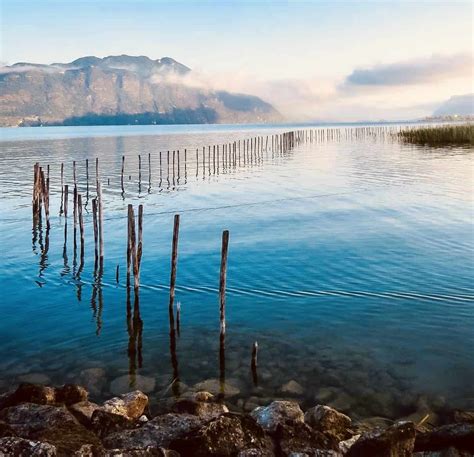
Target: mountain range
[(119, 90)]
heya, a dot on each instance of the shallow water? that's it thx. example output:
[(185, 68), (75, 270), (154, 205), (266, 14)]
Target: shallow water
[(350, 262)]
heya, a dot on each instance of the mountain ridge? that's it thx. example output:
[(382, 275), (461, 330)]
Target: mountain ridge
[(119, 89)]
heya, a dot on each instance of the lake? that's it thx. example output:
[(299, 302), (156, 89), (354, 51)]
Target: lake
[(350, 263)]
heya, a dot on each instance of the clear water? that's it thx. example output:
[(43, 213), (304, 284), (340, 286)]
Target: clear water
[(350, 262)]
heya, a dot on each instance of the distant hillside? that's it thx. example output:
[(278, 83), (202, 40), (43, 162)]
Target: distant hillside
[(118, 90), (461, 105)]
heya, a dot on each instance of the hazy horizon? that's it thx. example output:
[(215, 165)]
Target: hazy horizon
[(338, 61)]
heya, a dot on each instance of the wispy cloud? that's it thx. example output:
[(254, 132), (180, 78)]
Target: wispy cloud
[(418, 71)]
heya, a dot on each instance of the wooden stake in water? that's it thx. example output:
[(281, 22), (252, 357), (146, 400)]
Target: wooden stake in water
[(174, 260), (253, 364), (96, 228), (101, 225), (81, 223), (222, 280)]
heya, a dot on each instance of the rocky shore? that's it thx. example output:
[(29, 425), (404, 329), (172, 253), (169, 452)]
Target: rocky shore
[(37, 420)]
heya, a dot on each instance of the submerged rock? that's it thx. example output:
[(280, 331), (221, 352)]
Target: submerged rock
[(93, 379), (156, 433), (15, 446), (126, 383), (215, 387), (292, 388), (328, 420), (35, 378), (278, 412), (227, 435), (131, 405), (397, 440)]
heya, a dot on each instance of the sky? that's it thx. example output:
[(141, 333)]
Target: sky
[(324, 60)]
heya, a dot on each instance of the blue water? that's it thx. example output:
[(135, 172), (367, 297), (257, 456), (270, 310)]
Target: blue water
[(350, 262)]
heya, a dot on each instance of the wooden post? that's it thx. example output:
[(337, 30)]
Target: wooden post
[(121, 174), (174, 260), (62, 190), (81, 223), (178, 317), (133, 246), (96, 229), (223, 277), (129, 243), (66, 198), (117, 274), (140, 243), (101, 224)]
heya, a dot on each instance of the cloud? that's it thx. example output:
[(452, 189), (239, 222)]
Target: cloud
[(419, 71)]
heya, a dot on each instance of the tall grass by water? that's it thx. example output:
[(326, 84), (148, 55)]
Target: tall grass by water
[(440, 135)]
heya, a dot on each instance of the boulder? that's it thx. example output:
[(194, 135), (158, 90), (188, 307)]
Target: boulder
[(131, 405), (70, 394), (398, 440), (450, 452), (159, 432), (328, 420), (15, 446), (204, 410), (301, 438), (83, 411), (6, 430), (460, 436), (104, 423), (227, 435), (126, 383), (35, 378), (27, 419), (277, 412), (463, 416), (292, 388), (33, 393), (149, 451)]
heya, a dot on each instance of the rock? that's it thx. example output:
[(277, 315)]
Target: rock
[(35, 378), (204, 410), (125, 383), (460, 436), (328, 420), (70, 394), (325, 394), (83, 411), (214, 387), (93, 379), (372, 422), (463, 416), (149, 451), (20, 447), (345, 445), (33, 393), (301, 438), (292, 388), (227, 435), (316, 453), (104, 422), (203, 396), (27, 419), (158, 432), (398, 440), (6, 430), (131, 405), (450, 452), (278, 412)]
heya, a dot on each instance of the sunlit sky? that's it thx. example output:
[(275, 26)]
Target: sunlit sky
[(314, 59)]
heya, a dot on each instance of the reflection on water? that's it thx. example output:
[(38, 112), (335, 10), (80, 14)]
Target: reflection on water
[(350, 262)]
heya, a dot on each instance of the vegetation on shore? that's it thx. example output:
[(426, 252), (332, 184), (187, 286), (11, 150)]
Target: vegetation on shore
[(441, 135)]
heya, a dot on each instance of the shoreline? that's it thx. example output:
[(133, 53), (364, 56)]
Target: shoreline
[(48, 421)]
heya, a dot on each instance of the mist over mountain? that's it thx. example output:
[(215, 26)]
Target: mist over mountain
[(119, 90), (461, 105)]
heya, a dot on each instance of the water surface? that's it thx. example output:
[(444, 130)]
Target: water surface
[(350, 262)]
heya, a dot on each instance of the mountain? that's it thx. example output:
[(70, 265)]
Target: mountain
[(119, 90), (460, 105)]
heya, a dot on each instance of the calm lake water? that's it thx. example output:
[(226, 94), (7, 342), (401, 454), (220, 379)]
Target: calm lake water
[(350, 262)]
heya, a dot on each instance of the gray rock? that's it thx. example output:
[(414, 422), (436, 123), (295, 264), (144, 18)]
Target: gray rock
[(149, 451), (126, 383), (20, 447), (278, 412), (104, 423), (131, 405), (450, 452), (227, 435), (328, 420), (463, 416), (70, 394), (158, 432), (345, 445), (398, 440), (292, 388), (83, 411), (93, 379)]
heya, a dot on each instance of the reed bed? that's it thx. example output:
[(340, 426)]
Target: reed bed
[(440, 135)]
